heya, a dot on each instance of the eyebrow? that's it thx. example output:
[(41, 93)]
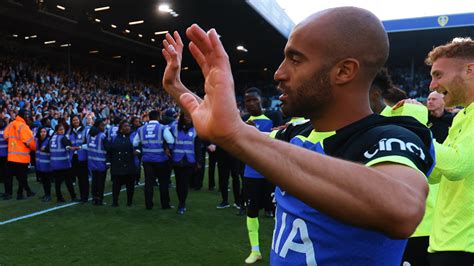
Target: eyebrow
[(293, 52)]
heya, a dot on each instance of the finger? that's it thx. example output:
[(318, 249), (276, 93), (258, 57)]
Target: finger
[(178, 39), (199, 57), (165, 43), (200, 39), (170, 49), (189, 102), (398, 105), (217, 44), (166, 55), (170, 39)]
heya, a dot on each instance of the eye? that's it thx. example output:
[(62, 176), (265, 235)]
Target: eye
[(294, 60)]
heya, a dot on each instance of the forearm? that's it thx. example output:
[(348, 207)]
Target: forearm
[(454, 162), (347, 191)]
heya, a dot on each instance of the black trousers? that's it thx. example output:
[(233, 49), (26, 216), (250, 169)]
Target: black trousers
[(212, 169), (80, 170), (138, 175), (45, 178), (451, 258), (20, 170), (257, 193), (162, 171), (118, 181), (416, 251), (197, 177), (59, 177), (98, 184), (182, 174), (228, 166), (3, 168)]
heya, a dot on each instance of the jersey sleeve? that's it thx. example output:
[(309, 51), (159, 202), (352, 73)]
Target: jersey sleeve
[(396, 145)]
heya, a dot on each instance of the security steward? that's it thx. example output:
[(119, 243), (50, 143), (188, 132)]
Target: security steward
[(20, 143), (154, 138), (77, 135)]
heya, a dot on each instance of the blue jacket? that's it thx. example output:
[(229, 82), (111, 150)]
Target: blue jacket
[(78, 139), (96, 153), (60, 157), (43, 157), (184, 146), (151, 138), (3, 144)]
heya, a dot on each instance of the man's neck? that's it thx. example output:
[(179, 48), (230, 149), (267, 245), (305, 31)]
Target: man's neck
[(437, 113), (257, 113), (379, 107)]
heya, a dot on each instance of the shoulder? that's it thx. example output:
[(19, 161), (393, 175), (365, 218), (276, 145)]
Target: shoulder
[(389, 143), (293, 130)]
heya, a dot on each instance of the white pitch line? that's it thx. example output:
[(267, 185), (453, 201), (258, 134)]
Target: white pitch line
[(62, 206), (54, 208)]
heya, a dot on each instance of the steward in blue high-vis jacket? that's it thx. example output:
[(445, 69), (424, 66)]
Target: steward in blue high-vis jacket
[(185, 157), (97, 160), (43, 161), (59, 147), (154, 138), (77, 135), (3, 151)]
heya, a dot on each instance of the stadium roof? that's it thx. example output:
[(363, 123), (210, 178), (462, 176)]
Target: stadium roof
[(400, 15), (129, 32), (126, 30)]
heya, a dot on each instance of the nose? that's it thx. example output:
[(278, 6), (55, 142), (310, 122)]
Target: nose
[(433, 85), (280, 74)]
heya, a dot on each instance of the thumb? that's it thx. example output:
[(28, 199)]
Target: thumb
[(189, 102)]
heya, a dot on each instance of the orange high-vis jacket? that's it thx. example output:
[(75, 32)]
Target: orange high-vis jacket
[(20, 141)]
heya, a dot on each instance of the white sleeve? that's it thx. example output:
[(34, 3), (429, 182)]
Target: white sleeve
[(136, 141), (168, 136)]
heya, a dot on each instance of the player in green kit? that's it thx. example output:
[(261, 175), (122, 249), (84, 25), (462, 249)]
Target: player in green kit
[(452, 233)]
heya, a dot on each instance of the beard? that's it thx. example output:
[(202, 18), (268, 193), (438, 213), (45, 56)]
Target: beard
[(311, 98), (457, 93)]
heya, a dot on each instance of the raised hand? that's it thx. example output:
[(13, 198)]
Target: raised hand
[(173, 53), (217, 117)]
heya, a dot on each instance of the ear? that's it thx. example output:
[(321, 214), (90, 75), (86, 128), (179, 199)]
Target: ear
[(470, 69), (346, 70)]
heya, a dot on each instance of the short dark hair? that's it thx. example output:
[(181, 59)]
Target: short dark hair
[(23, 113), (254, 90), (154, 115), (58, 126), (122, 123), (394, 95), (98, 121), (383, 82)]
